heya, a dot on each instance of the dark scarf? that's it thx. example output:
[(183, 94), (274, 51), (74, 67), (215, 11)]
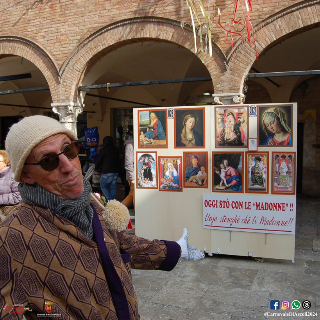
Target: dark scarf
[(77, 211)]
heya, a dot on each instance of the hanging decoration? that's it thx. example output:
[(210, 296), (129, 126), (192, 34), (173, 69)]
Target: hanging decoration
[(231, 28), (204, 29)]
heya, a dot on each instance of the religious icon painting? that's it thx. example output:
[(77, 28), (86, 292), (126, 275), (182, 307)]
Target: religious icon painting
[(283, 172), (146, 170), (227, 171), (170, 173), (231, 127), (152, 125), (257, 164), (189, 128), (195, 169), (275, 126)]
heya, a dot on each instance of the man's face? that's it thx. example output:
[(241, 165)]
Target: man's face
[(66, 180)]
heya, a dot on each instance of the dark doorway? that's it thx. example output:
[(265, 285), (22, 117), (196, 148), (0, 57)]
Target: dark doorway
[(299, 157), (6, 123)]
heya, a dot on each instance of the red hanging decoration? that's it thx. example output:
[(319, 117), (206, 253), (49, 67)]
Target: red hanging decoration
[(230, 30)]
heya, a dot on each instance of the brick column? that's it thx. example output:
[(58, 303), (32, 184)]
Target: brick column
[(68, 114), (228, 98)]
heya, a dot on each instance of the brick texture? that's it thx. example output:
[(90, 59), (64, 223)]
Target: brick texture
[(65, 36)]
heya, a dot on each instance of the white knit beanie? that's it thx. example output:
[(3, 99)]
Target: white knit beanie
[(26, 134)]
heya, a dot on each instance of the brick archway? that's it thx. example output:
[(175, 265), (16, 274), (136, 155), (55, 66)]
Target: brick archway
[(29, 50), (133, 30), (272, 30)]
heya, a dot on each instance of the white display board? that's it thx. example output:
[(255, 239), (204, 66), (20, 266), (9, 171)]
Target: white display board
[(163, 211)]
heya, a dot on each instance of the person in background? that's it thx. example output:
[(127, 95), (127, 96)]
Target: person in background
[(108, 162), (9, 194), (63, 250), (129, 166)]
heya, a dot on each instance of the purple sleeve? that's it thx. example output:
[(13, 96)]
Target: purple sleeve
[(173, 256)]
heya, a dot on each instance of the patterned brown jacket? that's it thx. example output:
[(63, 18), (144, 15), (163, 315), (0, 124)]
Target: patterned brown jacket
[(49, 268)]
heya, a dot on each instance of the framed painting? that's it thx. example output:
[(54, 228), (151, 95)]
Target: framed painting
[(275, 126), (283, 172), (227, 171), (146, 170), (189, 128), (170, 173), (152, 124), (257, 172), (195, 169), (231, 127)]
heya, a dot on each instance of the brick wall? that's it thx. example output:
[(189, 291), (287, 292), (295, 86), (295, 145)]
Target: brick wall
[(71, 32)]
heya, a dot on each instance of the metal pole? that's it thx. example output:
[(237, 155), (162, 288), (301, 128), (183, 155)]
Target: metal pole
[(16, 77), (283, 74), (103, 97), (32, 107), (143, 83), (23, 90)]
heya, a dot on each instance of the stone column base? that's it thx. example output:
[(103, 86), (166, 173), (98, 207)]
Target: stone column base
[(228, 98)]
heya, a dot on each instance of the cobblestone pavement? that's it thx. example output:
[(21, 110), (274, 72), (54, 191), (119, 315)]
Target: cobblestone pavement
[(233, 287)]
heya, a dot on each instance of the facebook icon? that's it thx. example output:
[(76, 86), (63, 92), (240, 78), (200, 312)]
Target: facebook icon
[(274, 304)]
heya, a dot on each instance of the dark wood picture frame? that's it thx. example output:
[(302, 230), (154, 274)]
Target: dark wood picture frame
[(146, 170), (228, 177), (195, 170), (283, 173), (183, 119), (153, 128), (275, 121), (170, 173), (232, 127)]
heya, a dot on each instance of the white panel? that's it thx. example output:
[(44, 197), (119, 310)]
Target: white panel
[(163, 215)]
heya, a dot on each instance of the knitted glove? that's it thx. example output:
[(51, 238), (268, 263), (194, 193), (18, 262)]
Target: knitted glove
[(189, 252)]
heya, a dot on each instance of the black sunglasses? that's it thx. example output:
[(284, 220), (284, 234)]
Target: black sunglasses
[(51, 161)]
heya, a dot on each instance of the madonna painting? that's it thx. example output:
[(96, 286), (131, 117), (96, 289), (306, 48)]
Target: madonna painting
[(231, 127), (170, 173), (153, 128), (275, 126), (189, 128)]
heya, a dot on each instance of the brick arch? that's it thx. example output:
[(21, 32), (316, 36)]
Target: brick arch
[(32, 52), (273, 30), (124, 32)]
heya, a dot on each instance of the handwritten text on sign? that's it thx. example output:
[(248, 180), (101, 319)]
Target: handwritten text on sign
[(266, 214)]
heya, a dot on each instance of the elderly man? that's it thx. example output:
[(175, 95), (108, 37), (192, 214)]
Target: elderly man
[(62, 253)]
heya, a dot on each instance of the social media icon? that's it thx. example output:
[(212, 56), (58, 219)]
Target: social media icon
[(306, 304), (295, 304), (274, 304), (285, 305)]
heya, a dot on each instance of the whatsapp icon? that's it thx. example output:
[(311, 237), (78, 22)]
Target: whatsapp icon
[(295, 304)]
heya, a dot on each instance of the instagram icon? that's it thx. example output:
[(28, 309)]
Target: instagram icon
[(285, 305)]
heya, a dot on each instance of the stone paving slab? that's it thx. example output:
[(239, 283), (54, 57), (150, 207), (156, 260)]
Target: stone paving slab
[(225, 287), (316, 244), (304, 243)]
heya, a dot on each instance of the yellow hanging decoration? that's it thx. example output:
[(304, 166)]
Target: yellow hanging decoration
[(204, 29)]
